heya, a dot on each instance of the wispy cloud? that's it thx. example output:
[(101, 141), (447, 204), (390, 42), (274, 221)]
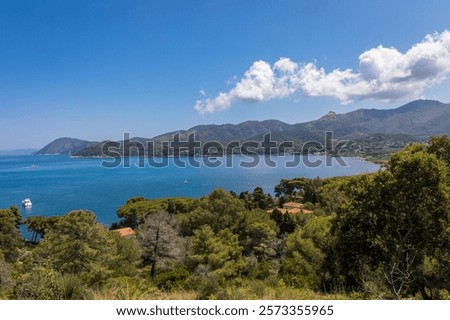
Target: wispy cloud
[(384, 74)]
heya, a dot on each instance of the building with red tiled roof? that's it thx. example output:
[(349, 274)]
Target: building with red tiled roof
[(292, 205), (293, 208), (125, 232)]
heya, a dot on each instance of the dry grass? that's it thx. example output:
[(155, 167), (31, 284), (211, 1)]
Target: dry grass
[(140, 289), (136, 289), (260, 291)]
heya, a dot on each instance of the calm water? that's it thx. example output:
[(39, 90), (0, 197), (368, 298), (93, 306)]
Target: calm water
[(58, 184)]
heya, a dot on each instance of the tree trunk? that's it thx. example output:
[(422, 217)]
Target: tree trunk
[(155, 255)]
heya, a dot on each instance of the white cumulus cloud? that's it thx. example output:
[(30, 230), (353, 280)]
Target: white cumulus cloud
[(384, 74)]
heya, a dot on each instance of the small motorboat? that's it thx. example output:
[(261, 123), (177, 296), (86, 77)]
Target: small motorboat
[(27, 203)]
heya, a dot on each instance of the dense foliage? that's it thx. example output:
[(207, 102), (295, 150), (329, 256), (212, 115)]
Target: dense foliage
[(373, 236)]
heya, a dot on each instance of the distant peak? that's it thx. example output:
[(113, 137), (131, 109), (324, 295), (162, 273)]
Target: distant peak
[(419, 104), (331, 115), (427, 100)]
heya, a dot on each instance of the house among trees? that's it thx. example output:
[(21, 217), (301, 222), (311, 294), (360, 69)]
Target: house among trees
[(292, 208), (125, 232)]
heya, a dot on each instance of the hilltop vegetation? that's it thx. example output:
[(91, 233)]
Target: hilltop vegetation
[(372, 236), (64, 146)]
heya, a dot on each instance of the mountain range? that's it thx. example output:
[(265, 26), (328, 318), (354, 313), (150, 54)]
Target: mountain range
[(368, 131)]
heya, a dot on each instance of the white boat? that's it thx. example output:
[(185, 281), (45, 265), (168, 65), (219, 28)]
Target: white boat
[(27, 203)]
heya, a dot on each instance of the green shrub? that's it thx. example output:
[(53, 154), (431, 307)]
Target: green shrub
[(172, 280)]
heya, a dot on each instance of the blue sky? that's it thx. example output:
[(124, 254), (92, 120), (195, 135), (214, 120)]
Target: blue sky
[(95, 69)]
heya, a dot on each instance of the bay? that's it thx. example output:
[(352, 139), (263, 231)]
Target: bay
[(58, 184)]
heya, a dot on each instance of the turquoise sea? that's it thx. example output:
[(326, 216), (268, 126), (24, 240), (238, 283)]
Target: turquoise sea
[(58, 184)]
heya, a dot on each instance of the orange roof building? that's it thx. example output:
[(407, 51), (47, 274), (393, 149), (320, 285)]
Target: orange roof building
[(293, 208), (292, 205), (125, 232)]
